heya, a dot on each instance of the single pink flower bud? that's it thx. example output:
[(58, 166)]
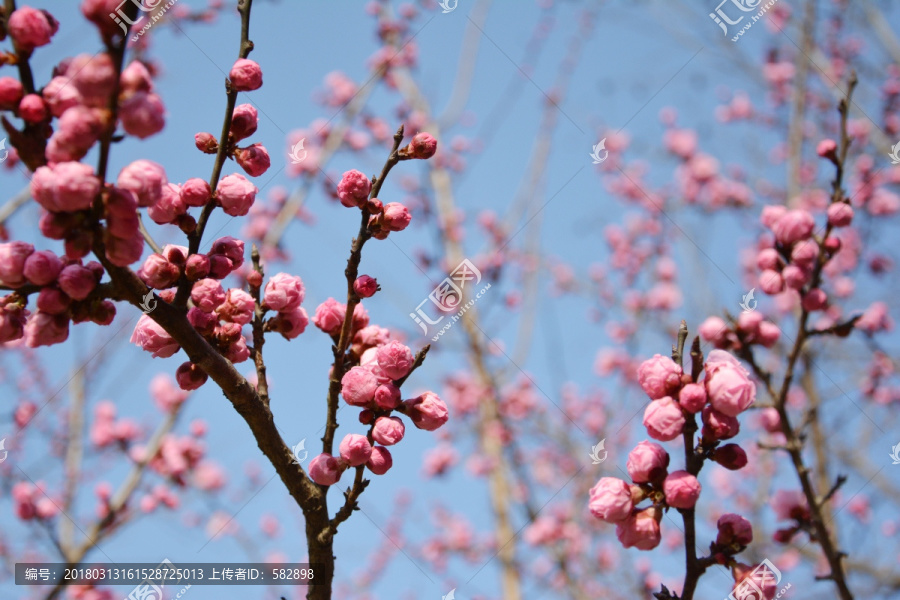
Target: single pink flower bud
[(13, 317), (238, 306), (815, 299), (284, 293), (142, 114), (374, 206), (30, 28), (610, 500), (60, 96), (647, 462), (358, 386), (681, 489), (714, 330), (169, 207), (692, 397), (145, 179), (733, 529), (236, 195), (388, 430), (640, 530), (205, 323), (354, 188), (254, 159), (387, 396), (43, 329), (365, 286), (220, 266), (195, 192), (771, 213), (65, 187), (190, 377), (423, 145), (52, 301), (794, 277), (13, 256), (231, 248), (41, 267), (730, 456), (245, 75), (840, 214), (827, 149), (254, 279), (135, 78), (770, 420), (206, 142), (427, 411), (395, 359), (380, 461), (768, 258), (290, 324), (151, 337), (207, 294), (355, 449), (77, 281), (158, 273), (794, 226), (805, 255), (244, 121), (663, 419), (329, 316), (771, 282), (11, 93), (103, 312), (396, 216), (33, 109), (728, 384), (718, 426), (659, 376), (325, 469)]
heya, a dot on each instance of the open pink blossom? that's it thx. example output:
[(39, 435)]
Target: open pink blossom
[(663, 419), (238, 307)]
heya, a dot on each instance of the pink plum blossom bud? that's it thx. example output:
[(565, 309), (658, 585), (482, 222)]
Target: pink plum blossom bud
[(768, 258), (135, 78), (290, 324), (158, 273), (204, 322), (827, 149), (169, 207), (423, 145), (77, 130), (245, 75), (358, 386), (207, 294), (196, 267), (354, 188), (238, 351), (254, 279), (770, 420), (325, 469), (229, 247), (714, 330), (244, 122), (647, 462), (52, 301), (77, 281), (640, 530), (770, 215), (768, 334), (681, 489), (794, 277), (659, 376), (380, 461), (142, 115), (365, 286), (728, 384), (13, 256), (206, 142), (329, 316), (730, 456), (151, 337), (284, 293), (395, 360), (11, 93), (254, 159), (794, 226), (663, 419), (30, 28), (610, 500), (771, 282), (805, 255), (60, 96), (237, 308), (387, 396), (733, 529), (374, 206), (840, 214), (692, 397), (41, 267), (33, 109), (190, 377), (388, 430), (43, 329), (396, 216), (220, 266), (815, 299), (718, 426), (355, 449), (427, 411), (65, 187), (236, 195), (145, 179), (13, 317), (195, 192)]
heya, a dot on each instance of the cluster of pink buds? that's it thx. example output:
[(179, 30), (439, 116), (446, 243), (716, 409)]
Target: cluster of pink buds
[(374, 386), (725, 391)]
